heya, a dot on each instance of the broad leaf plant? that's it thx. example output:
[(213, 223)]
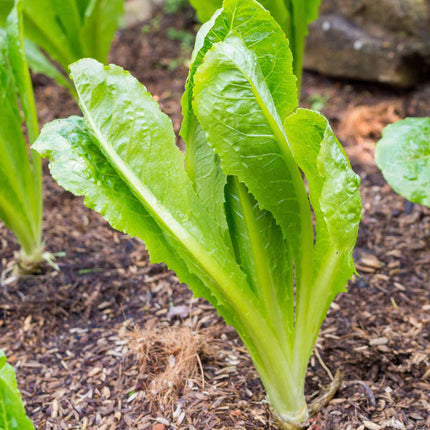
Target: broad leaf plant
[(233, 217)]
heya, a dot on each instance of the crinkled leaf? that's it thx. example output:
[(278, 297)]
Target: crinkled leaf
[(206, 8), (403, 155), (294, 17), (266, 39), (268, 42), (68, 144)]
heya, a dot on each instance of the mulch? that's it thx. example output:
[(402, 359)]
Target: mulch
[(73, 335)]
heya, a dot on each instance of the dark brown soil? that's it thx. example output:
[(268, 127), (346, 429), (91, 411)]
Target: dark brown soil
[(72, 335)]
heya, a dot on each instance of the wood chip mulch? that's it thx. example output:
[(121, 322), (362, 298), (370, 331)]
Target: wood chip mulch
[(73, 335)]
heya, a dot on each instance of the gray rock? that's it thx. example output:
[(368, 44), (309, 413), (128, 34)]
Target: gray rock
[(375, 40), (139, 10)]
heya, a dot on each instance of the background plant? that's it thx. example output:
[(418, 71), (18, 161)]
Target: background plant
[(20, 172), (403, 155), (174, 6), (66, 30), (294, 17), (12, 412), (236, 224)]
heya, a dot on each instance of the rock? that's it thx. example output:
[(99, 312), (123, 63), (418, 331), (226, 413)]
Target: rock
[(139, 10), (375, 40)]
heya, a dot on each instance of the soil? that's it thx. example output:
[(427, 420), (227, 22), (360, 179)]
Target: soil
[(91, 341)]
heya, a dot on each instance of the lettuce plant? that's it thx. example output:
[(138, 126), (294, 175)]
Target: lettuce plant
[(403, 155), (20, 172), (294, 16), (66, 30), (12, 412), (235, 223)]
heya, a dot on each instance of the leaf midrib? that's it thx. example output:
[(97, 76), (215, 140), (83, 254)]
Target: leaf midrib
[(221, 278)]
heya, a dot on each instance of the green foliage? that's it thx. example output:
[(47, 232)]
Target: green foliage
[(236, 224), (294, 17), (68, 30), (403, 155), (317, 101), (187, 41), (39, 63), (20, 174), (12, 412), (185, 37), (174, 6)]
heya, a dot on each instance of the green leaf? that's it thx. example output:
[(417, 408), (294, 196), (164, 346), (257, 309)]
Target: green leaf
[(69, 143), (268, 42), (39, 63), (263, 36), (70, 20), (71, 29), (100, 23), (264, 256), (403, 155), (43, 26), (202, 164), (302, 13), (205, 8), (336, 202), (16, 183), (18, 63), (12, 412)]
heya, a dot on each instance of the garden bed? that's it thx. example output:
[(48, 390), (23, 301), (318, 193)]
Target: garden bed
[(89, 342)]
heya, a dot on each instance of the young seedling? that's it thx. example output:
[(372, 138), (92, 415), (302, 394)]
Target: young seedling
[(235, 224), (294, 16), (403, 155)]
